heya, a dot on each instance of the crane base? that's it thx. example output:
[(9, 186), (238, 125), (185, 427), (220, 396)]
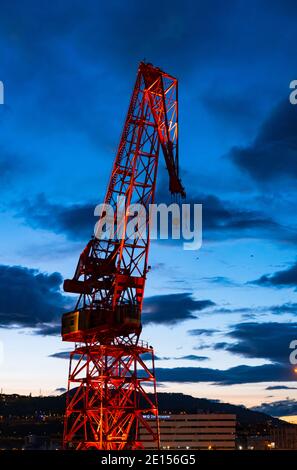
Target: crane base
[(107, 402)]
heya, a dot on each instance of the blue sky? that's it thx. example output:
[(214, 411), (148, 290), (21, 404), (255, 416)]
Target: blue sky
[(220, 319)]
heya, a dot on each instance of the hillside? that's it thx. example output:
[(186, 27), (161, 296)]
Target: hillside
[(180, 402), (19, 405)]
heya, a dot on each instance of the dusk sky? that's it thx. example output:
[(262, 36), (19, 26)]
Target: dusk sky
[(220, 319)]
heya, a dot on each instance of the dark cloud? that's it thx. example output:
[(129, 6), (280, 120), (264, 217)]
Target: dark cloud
[(192, 357), (222, 280), (220, 216), (30, 298), (286, 407), (188, 28), (61, 389), (235, 375), (243, 310), (273, 154), (224, 220), (76, 221), (269, 341), (145, 357), (203, 331), (65, 57), (34, 299), (61, 355), (279, 279), (250, 312), (189, 357), (171, 309), (221, 221), (48, 329), (277, 372), (280, 387), (288, 307), (148, 357), (64, 355)]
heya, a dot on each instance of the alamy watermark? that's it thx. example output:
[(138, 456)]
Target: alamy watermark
[(293, 354), (162, 221), (293, 94), (1, 92)]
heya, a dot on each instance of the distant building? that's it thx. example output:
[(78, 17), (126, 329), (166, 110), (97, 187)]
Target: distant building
[(195, 431), (276, 438), (257, 442), (33, 442), (285, 437)]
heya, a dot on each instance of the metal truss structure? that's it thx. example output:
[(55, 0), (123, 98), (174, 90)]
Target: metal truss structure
[(107, 398)]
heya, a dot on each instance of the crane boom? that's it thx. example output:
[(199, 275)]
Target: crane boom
[(111, 273)]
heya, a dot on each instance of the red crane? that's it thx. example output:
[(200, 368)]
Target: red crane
[(107, 402)]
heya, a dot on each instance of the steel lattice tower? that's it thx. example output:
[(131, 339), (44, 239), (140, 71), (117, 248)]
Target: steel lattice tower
[(110, 366)]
